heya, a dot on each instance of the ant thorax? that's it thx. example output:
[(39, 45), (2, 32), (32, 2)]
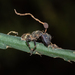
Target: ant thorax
[(36, 34)]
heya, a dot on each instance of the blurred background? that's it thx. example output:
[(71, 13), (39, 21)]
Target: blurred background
[(59, 14)]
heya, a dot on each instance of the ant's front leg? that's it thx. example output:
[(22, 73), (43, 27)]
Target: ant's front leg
[(12, 32), (31, 50)]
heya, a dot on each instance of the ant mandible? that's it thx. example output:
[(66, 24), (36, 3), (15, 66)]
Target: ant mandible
[(36, 35)]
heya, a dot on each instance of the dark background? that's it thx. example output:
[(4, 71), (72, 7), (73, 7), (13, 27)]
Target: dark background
[(59, 14)]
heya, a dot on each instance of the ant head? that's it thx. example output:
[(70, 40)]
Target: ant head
[(45, 26)]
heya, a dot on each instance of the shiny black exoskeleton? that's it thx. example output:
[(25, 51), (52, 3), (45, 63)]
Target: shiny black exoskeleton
[(45, 38)]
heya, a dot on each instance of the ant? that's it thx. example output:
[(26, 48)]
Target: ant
[(36, 35)]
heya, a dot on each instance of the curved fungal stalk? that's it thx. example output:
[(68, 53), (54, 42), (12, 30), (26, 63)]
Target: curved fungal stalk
[(44, 23)]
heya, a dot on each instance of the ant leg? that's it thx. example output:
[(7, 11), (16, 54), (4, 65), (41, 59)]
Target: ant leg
[(31, 50), (28, 44), (12, 32), (34, 45)]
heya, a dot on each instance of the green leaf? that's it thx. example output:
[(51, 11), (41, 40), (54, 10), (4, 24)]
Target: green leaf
[(7, 41)]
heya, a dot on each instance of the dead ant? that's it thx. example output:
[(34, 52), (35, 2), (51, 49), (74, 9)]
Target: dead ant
[(36, 35)]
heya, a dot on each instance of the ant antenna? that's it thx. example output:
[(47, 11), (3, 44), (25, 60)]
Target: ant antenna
[(44, 23)]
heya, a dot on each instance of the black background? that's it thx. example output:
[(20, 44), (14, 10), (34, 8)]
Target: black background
[(59, 14)]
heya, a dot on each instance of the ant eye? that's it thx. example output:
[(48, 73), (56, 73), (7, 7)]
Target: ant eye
[(45, 25)]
